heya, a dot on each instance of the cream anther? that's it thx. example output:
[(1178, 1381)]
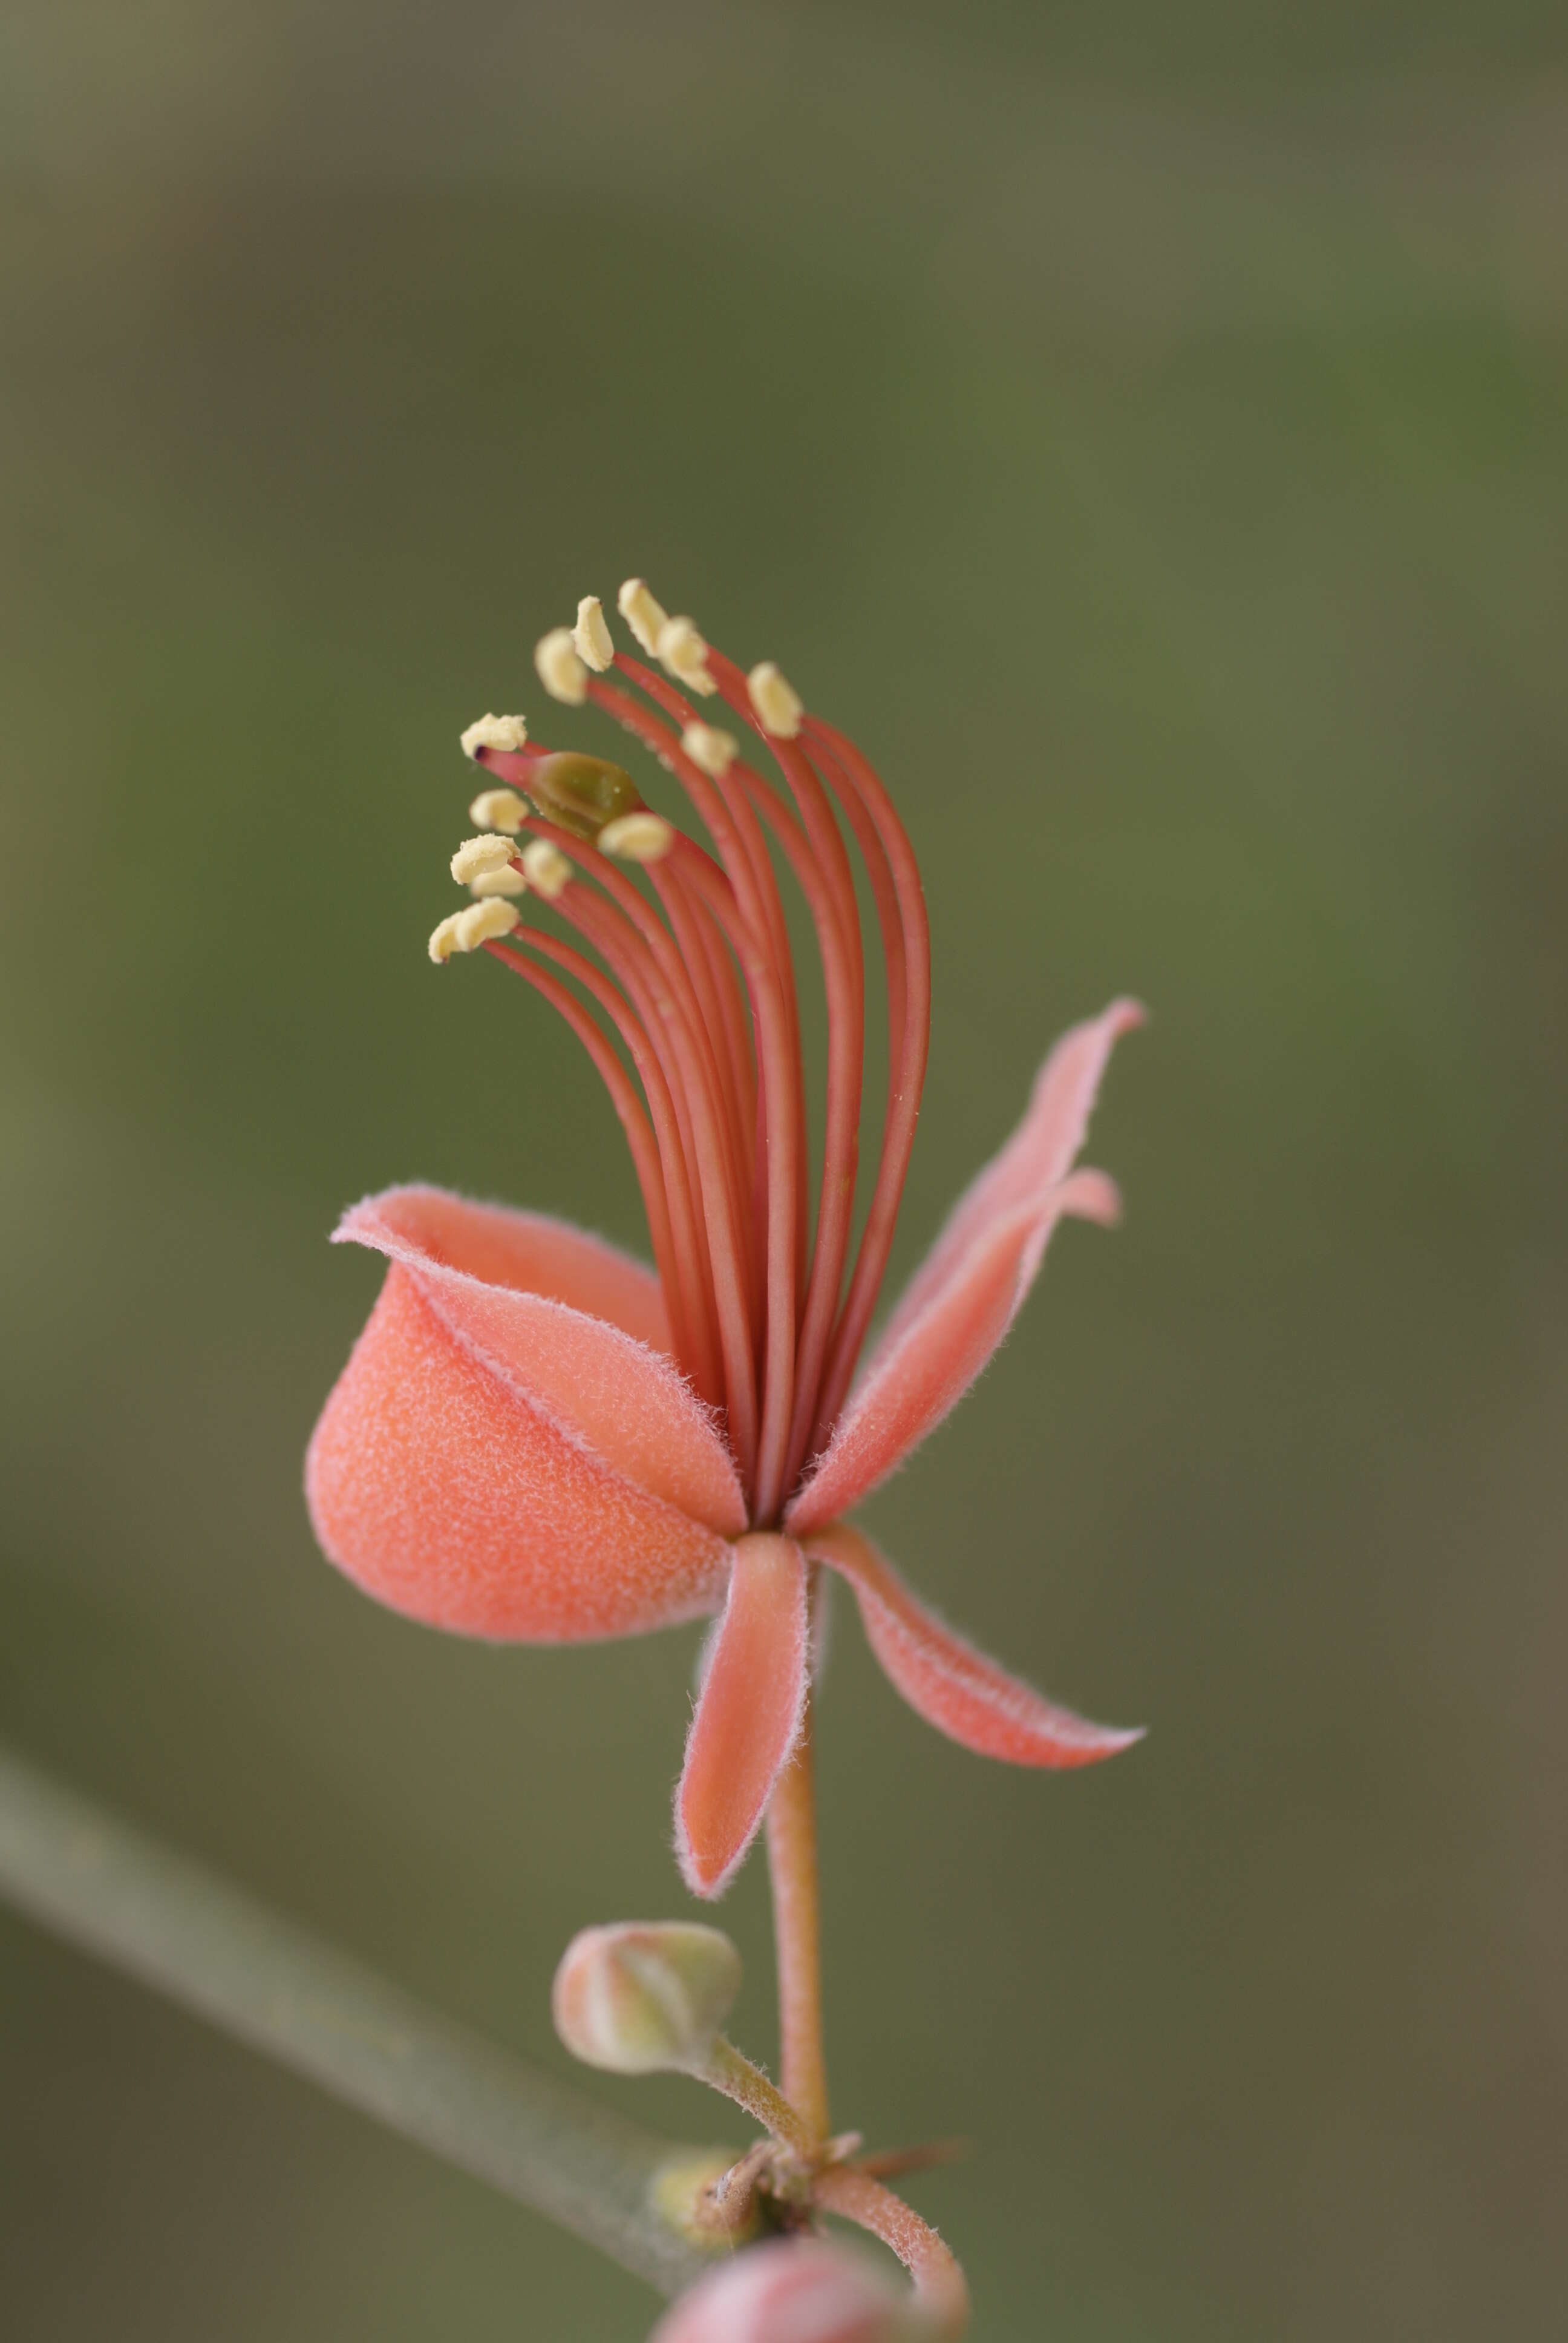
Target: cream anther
[(500, 810), (561, 671), (478, 855), (643, 615), (443, 939), (683, 651), (481, 921), (591, 636), (547, 868), (506, 882), (709, 748), (778, 706), (504, 732), (641, 837)]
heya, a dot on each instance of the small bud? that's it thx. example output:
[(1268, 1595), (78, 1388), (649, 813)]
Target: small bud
[(561, 671), (683, 651), (546, 869), (778, 706), (792, 2290), (591, 636), (504, 732), (504, 881), (645, 617), (709, 748), (479, 854), (642, 836), (645, 2000), (500, 810)]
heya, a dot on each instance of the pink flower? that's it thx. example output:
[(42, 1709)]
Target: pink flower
[(792, 2292), (538, 1439)]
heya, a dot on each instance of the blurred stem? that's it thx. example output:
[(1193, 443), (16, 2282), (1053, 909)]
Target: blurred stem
[(176, 1927), (727, 2069), (797, 1933), (939, 2284)]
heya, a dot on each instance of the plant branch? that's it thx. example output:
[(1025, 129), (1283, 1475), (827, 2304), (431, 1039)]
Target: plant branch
[(173, 1926)]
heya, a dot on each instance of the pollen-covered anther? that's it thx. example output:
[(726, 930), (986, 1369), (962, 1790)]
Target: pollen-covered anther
[(483, 921), (646, 616), (779, 705), (478, 855), (561, 671), (507, 733), (506, 881), (498, 809), (682, 650), (709, 748), (591, 636), (642, 836), (546, 867)]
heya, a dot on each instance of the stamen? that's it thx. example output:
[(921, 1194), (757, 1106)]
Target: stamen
[(465, 931), (505, 732), (682, 650), (443, 939), (506, 881), (779, 705), (498, 809), (546, 870), (560, 670), (709, 748), (591, 636), (478, 855), (637, 838), (645, 617)]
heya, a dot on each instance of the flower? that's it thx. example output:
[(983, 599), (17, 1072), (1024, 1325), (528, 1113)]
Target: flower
[(793, 2291), (538, 1439)]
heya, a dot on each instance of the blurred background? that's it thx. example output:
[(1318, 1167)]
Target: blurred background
[(1144, 428)]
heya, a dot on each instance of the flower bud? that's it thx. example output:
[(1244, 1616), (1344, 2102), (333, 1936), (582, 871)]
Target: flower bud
[(645, 1999), (792, 2291)]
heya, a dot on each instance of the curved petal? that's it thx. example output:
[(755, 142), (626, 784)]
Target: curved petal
[(954, 1687), (748, 1712), (441, 1488), (572, 1325), (914, 1382)]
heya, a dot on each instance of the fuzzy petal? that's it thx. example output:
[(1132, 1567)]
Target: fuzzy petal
[(961, 1301), (442, 1489), (574, 1325), (747, 1713), (954, 1687), (913, 1382)]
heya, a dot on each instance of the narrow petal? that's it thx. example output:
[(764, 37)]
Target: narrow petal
[(748, 1712), (914, 1382), (954, 1687), (576, 1327), (441, 1489)]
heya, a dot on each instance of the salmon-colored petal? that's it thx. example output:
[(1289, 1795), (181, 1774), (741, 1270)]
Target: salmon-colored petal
[(1041, 1150), (439, 1487), (954, 1687), (576, 1327), (748, 1712), (912, 1382)]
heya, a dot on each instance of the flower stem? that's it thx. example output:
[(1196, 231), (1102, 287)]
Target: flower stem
[(939, 2284), (728, 2070), (797, 1930)]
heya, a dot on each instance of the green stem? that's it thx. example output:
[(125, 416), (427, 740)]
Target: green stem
[(107, 1888), (728, 2070)]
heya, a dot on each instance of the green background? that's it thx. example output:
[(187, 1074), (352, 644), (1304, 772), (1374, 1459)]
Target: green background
[(1145, 430)]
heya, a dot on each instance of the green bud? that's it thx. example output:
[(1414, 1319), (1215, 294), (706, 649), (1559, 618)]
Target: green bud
[(642, 1999), (581, 793)]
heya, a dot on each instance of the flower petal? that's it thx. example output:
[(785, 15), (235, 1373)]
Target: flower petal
[(913, 1382), (963, 1299), (441, 1488), (574, 1325), (954, 1687), (748, 1712)]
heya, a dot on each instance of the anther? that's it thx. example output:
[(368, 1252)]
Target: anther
[(504, 881), (481, 921), (645, 617), (498, 809), (478, 855), (779, 705), (683, 651), (504, 732), (443, 939), (547, 871), (642, 836), (709, 748), (591, 636), (561, 671)]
